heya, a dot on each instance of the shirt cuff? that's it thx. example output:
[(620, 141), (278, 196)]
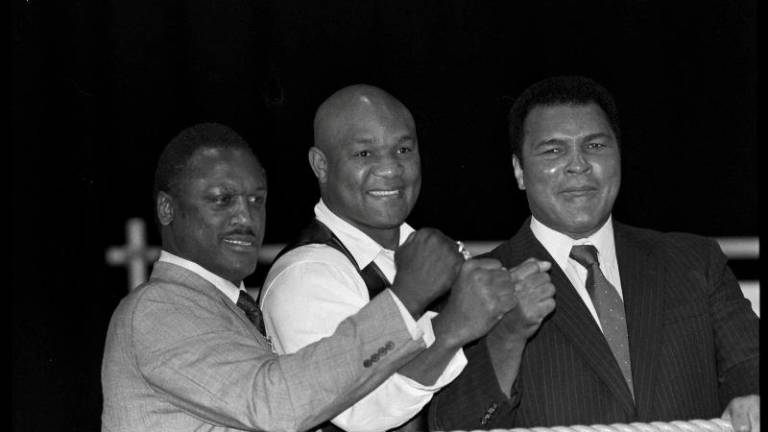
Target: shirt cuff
[(414, 329), (455, 367), (425, 325)]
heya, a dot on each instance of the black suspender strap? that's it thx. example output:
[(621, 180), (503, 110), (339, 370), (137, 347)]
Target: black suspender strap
[(318, 233)]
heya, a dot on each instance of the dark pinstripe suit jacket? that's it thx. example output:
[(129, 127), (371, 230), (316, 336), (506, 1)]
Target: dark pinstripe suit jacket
[(693, 343)]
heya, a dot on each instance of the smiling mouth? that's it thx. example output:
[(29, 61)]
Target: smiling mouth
[(240, 243), (385, 193)]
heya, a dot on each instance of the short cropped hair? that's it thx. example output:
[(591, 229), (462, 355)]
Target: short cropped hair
[(176, 155), (560, 90)]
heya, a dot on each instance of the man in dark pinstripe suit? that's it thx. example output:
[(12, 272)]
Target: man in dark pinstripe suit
[(689, 336)]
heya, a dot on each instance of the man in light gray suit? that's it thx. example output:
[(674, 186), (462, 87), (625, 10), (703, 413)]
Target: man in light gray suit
[(185, 351)]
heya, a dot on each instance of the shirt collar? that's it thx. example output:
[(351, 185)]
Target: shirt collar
[(559, 245), (226, 287), (363, 248)]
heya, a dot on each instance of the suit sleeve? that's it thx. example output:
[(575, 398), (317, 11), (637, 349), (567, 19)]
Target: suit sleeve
[(203, 362), (736, 330), (474, 400)]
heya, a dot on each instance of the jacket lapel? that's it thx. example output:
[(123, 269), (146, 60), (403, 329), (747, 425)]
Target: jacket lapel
[(642, 287), (572, 317)]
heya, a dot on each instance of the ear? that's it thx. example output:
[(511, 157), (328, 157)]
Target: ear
[(518, 166), (319, 164), (165, 208)]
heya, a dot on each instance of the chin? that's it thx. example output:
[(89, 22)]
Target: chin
[(586, 227), (390, 223), (239, 271)]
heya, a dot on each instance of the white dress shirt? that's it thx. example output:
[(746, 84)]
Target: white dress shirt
[(559, 246), (312, 288)]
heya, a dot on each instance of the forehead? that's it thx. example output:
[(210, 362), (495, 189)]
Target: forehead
[(568, 120), (236, 166), (374, 119)]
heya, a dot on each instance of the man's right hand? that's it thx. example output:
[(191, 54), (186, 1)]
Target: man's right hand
[(482, 294), (427, 264)]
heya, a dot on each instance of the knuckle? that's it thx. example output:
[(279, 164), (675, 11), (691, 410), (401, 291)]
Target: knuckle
[(479, 276), (468, 266), (422, 234)]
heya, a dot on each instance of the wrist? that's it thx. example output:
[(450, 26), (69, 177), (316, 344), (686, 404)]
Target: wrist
[(501, 337), (447, 334), (413, 305)]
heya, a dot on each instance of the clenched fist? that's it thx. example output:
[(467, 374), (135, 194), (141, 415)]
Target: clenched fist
[(482, 294), (427, 264), (535, 297)]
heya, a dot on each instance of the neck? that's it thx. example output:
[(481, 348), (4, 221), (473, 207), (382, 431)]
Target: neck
[(389, 239)]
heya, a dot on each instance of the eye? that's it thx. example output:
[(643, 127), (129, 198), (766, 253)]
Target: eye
[(222, 200), (257, 200), (550, 150), (362, 153), (596, 145), (404, 149)]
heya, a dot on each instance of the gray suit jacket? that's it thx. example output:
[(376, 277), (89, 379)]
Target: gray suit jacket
[(180, 356)]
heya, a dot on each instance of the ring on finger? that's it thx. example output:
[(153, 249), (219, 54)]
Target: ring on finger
[(463, 251)]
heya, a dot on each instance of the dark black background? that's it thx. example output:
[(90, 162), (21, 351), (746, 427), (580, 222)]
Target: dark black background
[(99, 88)]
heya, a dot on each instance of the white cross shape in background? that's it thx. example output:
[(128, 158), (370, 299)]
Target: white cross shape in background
[(135, 255)]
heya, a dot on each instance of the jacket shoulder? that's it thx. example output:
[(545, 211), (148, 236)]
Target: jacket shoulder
[(674, 242)]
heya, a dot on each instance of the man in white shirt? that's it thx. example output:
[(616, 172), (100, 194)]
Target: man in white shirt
[(185, 351), (366, 159), (648, 326)]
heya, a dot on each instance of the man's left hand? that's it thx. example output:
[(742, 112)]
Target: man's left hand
[(744, 413)]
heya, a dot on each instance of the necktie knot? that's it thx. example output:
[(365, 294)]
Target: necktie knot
[(585, 255), (251, 309)]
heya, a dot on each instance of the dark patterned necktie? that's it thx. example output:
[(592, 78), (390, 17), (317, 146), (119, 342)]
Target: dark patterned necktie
[(609, 307), (251, 309)]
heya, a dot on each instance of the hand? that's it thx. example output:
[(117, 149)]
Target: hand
[(534, 292), (427, 264), (481, 295), (744, 413)]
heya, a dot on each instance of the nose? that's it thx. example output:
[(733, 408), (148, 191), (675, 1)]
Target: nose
[(388, 166), (242, 213), (577, 163)]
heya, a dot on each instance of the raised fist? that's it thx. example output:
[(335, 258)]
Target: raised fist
[(483, 293), (427, 264), (535, 297)]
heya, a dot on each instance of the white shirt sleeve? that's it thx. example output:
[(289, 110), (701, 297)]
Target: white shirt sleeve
[(306, 301)]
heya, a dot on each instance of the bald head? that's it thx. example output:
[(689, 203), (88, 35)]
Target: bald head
[(351, 106), (366, 159)]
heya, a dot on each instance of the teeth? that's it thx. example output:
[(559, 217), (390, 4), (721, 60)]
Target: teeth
[(238, 242), (384, 193)]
